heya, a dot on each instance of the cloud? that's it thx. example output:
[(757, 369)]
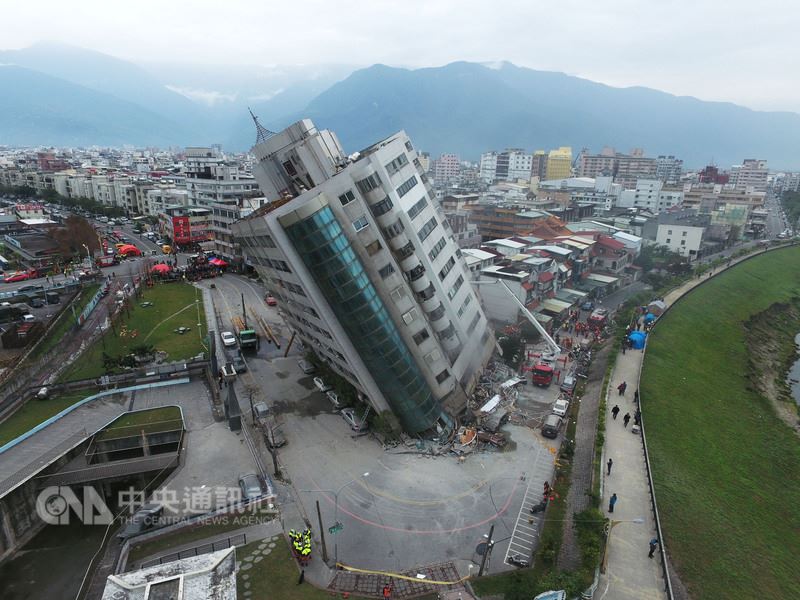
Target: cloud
[(208, 97)]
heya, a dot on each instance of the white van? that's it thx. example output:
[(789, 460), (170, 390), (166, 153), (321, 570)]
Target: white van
[(28, 318)]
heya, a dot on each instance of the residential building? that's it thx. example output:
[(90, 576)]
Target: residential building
[(220, 185), (512, 164), (360, 257), (752, 174), (669, 169), (682, 231), (185, 226), (712, 174), (598, 165), (559, 163), (446, 169), (633, 167), (503, 221), (539, 165), (650, 195)]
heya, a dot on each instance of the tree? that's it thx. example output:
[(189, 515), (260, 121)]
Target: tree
[(72, 237)]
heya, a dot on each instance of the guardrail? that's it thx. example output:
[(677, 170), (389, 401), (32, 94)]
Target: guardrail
[(236, 540)]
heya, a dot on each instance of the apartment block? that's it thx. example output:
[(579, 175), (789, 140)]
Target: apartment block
[(559, 163), (360, 257), (446, 169), (669, 169), (508, 165), (752, 173)]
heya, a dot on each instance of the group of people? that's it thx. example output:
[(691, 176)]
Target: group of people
[(301, 542)]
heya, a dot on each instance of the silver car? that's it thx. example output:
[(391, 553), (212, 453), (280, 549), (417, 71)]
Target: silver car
[(251, 487), (352, 419)]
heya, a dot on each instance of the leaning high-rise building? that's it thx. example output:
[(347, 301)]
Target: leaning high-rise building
[(364, 264)]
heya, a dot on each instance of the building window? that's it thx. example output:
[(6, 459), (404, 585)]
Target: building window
[(474, 323), (669, 231), (398, 293), (432, 357), (446, 268), (421, 336), (393, 230), (409, 147), (437, 248), (683, 242), (417, 208), (442, 376), (373, 248), (381, 208), (410, 316), (407, 186), (384, 272), (397, 164), (668, 240), (347, 197), (360, 223), (684, 234), (290, 170), (456, 286), (368, 183), (427, 229)]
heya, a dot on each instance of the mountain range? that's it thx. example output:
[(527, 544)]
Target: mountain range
[(60, 95)]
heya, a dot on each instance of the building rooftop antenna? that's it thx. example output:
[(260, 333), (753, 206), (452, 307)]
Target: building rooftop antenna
[(262, 133)]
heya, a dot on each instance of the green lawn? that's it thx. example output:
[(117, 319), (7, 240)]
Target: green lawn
[(276, 575), (173, 306), (726, 468), (34, 412), (154, 420), (66, 321)]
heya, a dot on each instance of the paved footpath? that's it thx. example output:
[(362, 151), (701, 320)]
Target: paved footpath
[(630, 574)]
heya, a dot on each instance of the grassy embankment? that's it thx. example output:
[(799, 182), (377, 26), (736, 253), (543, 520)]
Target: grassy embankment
[(173, 306), (726, 468), (34, 412)]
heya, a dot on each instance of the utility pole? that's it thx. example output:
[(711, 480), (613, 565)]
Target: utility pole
[(244, 312), (488, 549), (322, 535)]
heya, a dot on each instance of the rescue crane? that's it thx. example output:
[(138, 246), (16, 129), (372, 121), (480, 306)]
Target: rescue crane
[(554, 349)]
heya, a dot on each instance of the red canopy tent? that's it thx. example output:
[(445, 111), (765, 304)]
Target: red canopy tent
[(129, 249), (161, 269)]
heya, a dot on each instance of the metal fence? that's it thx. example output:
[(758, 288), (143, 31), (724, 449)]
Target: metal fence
[(236, 540)]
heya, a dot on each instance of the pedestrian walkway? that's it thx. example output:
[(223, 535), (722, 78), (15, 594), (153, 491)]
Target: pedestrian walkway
[(630, 573), (526, 529)]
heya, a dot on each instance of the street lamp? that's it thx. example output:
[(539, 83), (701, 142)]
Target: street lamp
[(613, 523), (335, 513)]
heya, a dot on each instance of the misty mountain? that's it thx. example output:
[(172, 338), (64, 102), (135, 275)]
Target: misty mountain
[(107, 75), (39, 109), (470, 108)]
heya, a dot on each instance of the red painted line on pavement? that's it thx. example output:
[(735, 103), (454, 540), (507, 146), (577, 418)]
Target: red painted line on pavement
[(423, 531)]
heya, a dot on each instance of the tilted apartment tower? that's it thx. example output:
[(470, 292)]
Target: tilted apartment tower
[(366, 270)]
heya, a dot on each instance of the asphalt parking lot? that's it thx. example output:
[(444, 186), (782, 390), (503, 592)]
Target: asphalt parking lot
[(401, 507)]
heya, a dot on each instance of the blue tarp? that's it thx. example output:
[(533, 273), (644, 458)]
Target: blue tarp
[(637, 339), (649, 317)]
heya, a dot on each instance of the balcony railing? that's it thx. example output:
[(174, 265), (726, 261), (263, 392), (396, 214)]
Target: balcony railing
[(405, 251), (415, 273), (381, 208), (427, 293), (437, 313)]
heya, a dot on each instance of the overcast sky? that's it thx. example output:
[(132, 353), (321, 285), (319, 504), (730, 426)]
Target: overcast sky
[(737, 50)]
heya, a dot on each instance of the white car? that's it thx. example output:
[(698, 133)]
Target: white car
[(352, 419), (334, 398), (228, 339), (561, 407), (321, 385)]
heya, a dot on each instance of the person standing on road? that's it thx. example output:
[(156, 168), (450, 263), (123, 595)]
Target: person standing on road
[(621, 388), (611, 502), (653, 546), (626, 419), (636, 396), (615, 411), (609, 464)]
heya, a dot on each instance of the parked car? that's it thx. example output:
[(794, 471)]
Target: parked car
[(306, 367), (352, 419), (228, 339), (569, 384), (334, 398), (239, 364), (15, 277), (275, 437), (261, 411), (588, 305), (271, 300), (321, 385), (37, 302), (251, 486), (561, 407), (145, 518), (551, 426), (31, 288), (42, 393)]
